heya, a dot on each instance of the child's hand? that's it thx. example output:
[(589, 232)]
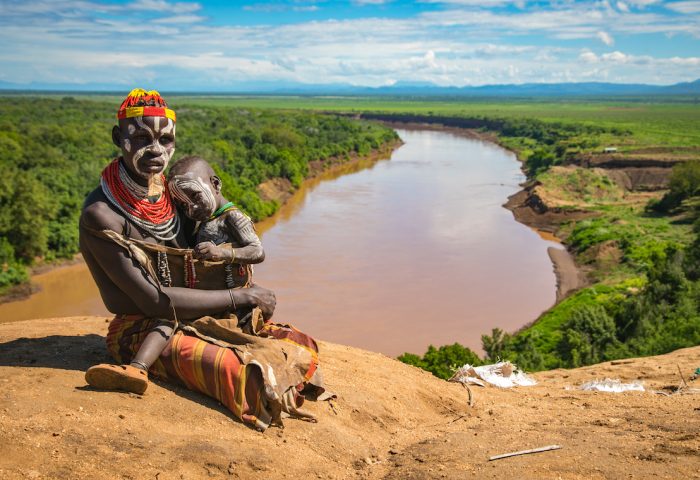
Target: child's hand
[(211, 252)]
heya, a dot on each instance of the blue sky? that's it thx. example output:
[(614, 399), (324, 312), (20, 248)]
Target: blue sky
[(226, 45)]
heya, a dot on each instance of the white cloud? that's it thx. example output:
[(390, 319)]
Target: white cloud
[(687, 7), (588, 57), (606, 38), (180, 19), (642, 3), (480, 3), (430, 59), (307, 8), (617, 57), (74, 41), (362, 3), (622, 6), (163, 6), (688, 61)]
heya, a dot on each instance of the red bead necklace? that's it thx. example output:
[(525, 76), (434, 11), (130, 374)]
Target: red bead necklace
[(156, 213)]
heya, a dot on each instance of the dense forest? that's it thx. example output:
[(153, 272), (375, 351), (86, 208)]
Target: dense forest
[(53, 150)]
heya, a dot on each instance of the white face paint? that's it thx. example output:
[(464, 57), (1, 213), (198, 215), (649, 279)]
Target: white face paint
[(127, 144), (131, 129), (194, 194), (155, 147), (170, 127)]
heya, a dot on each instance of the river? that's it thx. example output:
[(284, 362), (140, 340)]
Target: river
[(389, 256)]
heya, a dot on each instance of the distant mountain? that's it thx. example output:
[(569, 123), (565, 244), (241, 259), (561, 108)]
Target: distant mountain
[(525, 90), (686, 88), (520, 90)]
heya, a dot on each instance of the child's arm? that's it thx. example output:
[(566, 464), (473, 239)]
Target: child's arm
[(241, 232)]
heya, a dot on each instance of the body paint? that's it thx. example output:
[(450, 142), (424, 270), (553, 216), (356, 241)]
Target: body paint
[(155, 184), (181, 185), (169, 128)]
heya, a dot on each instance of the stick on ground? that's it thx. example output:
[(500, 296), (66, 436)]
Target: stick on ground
[(680, 374), (525, 452)]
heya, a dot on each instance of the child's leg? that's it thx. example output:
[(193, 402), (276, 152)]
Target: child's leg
[(152, 347), (134, 377)]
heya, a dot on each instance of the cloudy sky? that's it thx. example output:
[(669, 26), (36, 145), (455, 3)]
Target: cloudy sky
[(225, 45)]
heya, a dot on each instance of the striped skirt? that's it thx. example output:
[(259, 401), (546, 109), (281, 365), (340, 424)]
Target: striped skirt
[(213, 370)]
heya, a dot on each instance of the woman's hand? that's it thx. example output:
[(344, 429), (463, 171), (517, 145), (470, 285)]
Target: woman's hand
[(257, 296)]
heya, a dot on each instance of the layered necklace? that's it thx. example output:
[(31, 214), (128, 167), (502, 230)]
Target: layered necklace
[(158, 218)]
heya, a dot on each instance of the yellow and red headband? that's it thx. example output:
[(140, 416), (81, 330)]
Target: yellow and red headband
[(142, 103)]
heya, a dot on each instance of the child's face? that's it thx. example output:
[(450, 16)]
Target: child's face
[(196, 195)]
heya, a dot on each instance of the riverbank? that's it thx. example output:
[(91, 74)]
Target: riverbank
[(528, 210), (390, 421), (279, 190), (29, 288)]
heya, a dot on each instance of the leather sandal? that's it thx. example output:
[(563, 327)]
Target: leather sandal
[(117, 377)]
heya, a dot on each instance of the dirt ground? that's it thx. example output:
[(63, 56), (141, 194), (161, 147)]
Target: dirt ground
[(389, 421)]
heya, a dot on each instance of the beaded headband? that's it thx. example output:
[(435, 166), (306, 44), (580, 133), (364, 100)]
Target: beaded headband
[(142, 103)]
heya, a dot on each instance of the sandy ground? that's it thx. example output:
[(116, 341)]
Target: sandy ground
[(569, 277), (390, 421)]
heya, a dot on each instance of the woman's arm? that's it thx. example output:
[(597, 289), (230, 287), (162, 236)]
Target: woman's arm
[(128, 277)]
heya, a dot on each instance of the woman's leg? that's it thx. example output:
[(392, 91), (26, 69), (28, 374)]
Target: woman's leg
[(199, 365)]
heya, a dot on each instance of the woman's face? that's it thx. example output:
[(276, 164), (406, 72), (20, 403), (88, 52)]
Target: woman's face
[(147, 144)]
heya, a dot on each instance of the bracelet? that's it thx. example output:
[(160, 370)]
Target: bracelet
[(233, 302), (233, 254), (139, 365)]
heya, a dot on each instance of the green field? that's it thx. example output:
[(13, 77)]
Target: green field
[(649, 124), (654, 122)]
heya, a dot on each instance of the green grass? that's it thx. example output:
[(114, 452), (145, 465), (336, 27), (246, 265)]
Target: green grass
[(650, 124), (640, 237), (581, 186)]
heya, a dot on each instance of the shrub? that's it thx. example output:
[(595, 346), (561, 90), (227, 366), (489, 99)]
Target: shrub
[(442, 362)]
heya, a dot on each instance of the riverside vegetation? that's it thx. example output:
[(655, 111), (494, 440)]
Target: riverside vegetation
[(52, 151), (639, 249), (636, 243)]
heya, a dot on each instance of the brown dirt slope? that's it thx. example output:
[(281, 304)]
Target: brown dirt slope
[(390, 421)]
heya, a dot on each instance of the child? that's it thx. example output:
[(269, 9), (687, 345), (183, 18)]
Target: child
[(197, 190)]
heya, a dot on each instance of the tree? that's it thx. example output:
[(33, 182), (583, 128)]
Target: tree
[(33, 210), (587, 336), (497, 345)]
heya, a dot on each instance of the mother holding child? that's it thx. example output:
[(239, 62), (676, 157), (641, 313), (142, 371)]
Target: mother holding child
[(219, 341)]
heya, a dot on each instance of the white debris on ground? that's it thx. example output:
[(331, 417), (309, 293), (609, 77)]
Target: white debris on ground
[(501, 374), (612, 385)]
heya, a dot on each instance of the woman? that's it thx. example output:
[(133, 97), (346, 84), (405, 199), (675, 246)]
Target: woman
[(132, 205)]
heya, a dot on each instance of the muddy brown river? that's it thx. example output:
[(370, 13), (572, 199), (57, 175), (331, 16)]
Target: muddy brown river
[(389, 256)]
